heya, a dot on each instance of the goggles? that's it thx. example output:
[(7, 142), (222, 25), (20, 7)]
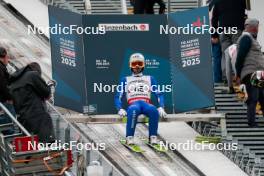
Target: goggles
[(136, 64)]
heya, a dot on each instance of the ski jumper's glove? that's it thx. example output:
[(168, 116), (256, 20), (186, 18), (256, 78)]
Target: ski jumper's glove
[(162, 112), (52, 84), (122, 113)]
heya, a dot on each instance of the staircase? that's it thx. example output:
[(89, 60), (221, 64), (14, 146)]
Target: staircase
[(175, 5), (77, 6), (115, 6), (106, 6), (250, 154), (179, 5)]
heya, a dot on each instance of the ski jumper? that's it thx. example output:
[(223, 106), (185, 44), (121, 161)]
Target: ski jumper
[(138, 89)]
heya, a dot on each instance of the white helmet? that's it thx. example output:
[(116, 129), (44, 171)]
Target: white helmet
[(138, 59)]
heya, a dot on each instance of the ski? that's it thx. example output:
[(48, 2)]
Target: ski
[(156, 147), (208, 139), (133, 147)]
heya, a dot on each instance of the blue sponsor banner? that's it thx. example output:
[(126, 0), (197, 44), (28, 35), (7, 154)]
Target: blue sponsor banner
[(107, 56), (191, 63), (67, 59)]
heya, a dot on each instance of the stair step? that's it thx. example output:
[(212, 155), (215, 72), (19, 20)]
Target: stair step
[(106, 8), (104, 12), (250, 130), (105, 5)]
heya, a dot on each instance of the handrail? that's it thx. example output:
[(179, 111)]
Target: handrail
[(88, 6), (14, 120), (124, 6), (61, 115), (169, 6), (50, 105)]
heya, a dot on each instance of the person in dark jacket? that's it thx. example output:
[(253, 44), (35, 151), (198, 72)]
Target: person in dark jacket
[(29, 92), (147, 6), (150, 6), (227, 14), (139, 6), (5, 97), (250, 60), (4, 76), (216, 51)]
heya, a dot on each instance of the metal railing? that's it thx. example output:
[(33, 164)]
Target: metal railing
[(14, 120), (66, 4), (88, 6), (124, 6), (250, 153), (67, 132), (47, 2)]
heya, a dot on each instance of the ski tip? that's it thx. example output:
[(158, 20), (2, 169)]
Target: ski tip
[(160, 149), (157, 147)]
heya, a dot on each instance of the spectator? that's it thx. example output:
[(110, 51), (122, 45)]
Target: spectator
[(139, 6), (211, 3), (217, 55), (29, 92), (228, 14), (250, 60), (230, 56), (216, 51), (150, 6), (147, 6), (5, 97)]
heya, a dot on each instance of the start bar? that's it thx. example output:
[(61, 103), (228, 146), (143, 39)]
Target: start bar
[(113, 118)]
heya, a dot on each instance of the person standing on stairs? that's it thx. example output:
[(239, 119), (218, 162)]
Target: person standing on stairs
[(250, 68)]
